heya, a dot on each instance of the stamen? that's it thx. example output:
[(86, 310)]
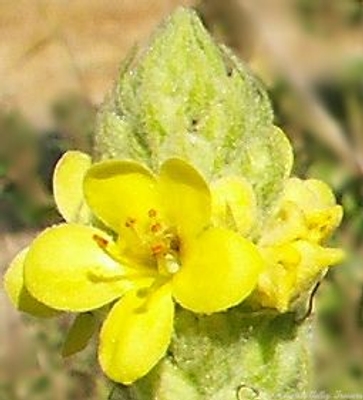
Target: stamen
[(135, 230), (102, 242), (109, 248), (98, 275), (157, 249), (156, 227), (175, 244), (152, 213)]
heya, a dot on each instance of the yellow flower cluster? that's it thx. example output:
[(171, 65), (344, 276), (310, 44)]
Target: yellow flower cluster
[(135, 243), (292, 243)]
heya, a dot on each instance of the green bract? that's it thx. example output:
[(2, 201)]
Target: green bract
[(186, 96)]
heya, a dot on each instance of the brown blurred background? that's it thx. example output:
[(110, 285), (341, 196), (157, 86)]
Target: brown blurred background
[(58, 59)]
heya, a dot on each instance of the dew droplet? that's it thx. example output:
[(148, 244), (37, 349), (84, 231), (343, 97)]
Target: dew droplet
[(245, 392)]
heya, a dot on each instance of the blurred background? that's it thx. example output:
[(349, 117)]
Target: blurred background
[(58, 59)]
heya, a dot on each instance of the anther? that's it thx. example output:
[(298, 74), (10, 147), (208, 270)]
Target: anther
[(152, 213), (156, 249), (102, 242), (175, 244), (155, 228), (130, 222)]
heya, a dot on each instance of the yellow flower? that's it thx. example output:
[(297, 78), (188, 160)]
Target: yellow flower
[(158, 245), (292, 244)]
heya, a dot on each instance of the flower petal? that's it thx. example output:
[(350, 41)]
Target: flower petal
[(322, 223), (136, 334), (185, 195), (67, 270), (83, 328), (68, 186), (309, 195), (117, 191), (292, 271), (314, 261), (288, 224), (18, 293), (322, 191), (234, 204), (219, 269), (276, 284), (276, 287), (308, 210)]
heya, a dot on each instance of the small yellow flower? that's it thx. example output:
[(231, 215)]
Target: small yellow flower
[(158, 245), (292, 243)]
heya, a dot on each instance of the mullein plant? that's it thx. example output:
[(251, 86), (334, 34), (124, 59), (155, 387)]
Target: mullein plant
[(186, 247)]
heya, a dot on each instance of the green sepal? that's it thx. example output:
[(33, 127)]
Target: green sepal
[(80, 333)]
